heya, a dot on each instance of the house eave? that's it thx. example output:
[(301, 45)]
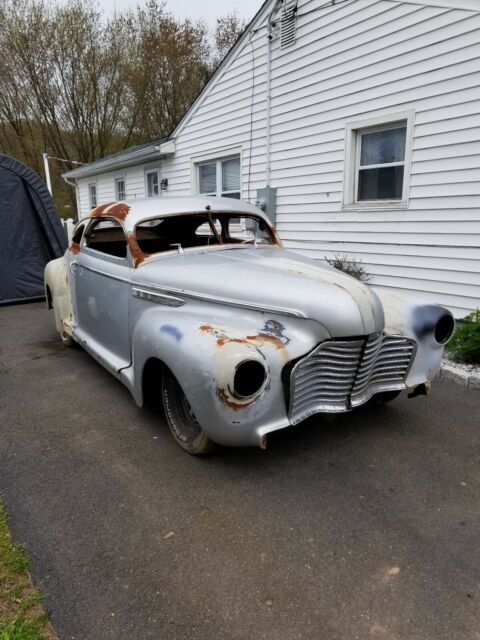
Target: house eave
[(155, 152)]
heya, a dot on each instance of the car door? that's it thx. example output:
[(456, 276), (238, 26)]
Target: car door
[(101, 277)]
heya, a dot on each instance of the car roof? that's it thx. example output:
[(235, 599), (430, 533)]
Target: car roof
[(136, 210)]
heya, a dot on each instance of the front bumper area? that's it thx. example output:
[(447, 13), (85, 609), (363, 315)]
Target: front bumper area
[(341, 374)]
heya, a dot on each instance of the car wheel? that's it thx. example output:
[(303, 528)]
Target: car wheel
[(181, 419), (385, 397), (67, 340)]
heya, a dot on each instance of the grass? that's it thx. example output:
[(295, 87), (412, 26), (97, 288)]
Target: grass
[(22, 616)]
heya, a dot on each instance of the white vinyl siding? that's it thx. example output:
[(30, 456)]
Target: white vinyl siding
[(353, 61)]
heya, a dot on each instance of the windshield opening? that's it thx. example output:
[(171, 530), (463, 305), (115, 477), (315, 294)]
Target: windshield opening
[(201, 230)]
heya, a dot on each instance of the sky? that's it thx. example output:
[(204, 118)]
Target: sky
[(209, 10)]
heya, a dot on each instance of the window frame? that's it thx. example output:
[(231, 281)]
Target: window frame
[(117, 194), (353, 136), (101, 255), (218, 158), (148, 170), (90, 199)]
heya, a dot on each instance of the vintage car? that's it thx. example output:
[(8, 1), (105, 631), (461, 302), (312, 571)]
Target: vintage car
[(195, 298)]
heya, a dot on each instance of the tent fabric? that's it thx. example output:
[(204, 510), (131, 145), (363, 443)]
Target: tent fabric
[(31, 233)]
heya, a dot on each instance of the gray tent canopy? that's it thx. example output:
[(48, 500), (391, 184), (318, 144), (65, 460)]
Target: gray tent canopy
[(31, 233)]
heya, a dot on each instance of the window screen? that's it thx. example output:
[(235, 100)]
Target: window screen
[(220, 178), (152, 183), (120, 188), (92, 190), (381, 163)]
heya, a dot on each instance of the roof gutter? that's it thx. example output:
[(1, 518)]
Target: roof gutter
[(150, 153)]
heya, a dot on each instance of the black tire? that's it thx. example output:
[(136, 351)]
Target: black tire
[(385, 397), (67, 340), (181, 419)]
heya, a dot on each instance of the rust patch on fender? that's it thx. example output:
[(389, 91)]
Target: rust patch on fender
[(74, 248), (271, 333), (236, 406)]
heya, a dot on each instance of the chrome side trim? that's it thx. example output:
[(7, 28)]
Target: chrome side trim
[(159, 298), (294, 313), (107, 275)]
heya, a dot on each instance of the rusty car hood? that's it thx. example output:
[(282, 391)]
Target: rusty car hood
[(270, 279)]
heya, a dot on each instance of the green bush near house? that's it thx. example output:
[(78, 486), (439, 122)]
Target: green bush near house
[(465, 344), (349, 266)]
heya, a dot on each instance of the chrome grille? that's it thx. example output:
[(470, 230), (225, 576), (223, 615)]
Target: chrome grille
[(341, 374)]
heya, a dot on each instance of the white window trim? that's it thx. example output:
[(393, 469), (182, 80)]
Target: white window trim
[(352, 152), (90, 185), (116, 180), (214, 156), (153, 169)]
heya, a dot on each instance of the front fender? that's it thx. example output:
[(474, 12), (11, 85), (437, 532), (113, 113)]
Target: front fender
[(202, 349), (414, 318)]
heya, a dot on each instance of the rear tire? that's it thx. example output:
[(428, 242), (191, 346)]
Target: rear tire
[(181, 419)]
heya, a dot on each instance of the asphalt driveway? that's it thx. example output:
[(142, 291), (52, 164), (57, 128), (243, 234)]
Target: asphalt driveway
[(366, 527)]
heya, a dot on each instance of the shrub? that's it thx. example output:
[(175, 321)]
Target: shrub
[(350, 266), (465, 344)]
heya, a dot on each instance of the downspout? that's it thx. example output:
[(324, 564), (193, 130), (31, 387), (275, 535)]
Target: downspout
[(270, 26), (74, 185)]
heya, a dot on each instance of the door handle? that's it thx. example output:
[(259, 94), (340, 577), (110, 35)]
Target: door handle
[(74, 269)]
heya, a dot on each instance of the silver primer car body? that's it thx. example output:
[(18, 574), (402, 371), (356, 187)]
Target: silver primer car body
[(325, 342)]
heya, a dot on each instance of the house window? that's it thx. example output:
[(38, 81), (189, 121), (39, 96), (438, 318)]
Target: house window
[(377, 162), (381, 163), (120, 188), (220, 177), (92, 193), (152, 180)]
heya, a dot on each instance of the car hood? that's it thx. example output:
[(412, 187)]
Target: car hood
[(272, 278)]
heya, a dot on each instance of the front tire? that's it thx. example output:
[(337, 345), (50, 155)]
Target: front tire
[(181, 419)]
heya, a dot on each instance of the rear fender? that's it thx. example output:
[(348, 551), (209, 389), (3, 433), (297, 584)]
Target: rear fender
[(56, 282)]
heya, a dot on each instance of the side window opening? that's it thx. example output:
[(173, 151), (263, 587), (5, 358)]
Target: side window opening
[(78, 233), (107, 236), (200, 230)]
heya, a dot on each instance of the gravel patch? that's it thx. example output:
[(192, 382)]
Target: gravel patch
[(467, 375)]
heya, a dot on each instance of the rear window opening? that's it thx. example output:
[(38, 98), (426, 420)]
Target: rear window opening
[(201, 230)]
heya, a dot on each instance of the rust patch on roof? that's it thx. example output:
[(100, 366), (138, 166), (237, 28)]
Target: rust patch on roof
[(98, 211), (137, 254), (74, 248), (117, 210)]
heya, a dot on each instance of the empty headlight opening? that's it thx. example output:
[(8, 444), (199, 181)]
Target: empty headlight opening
[(444, 329), (249, 378)]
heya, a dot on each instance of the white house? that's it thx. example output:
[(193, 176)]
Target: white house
[(356, 123)]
